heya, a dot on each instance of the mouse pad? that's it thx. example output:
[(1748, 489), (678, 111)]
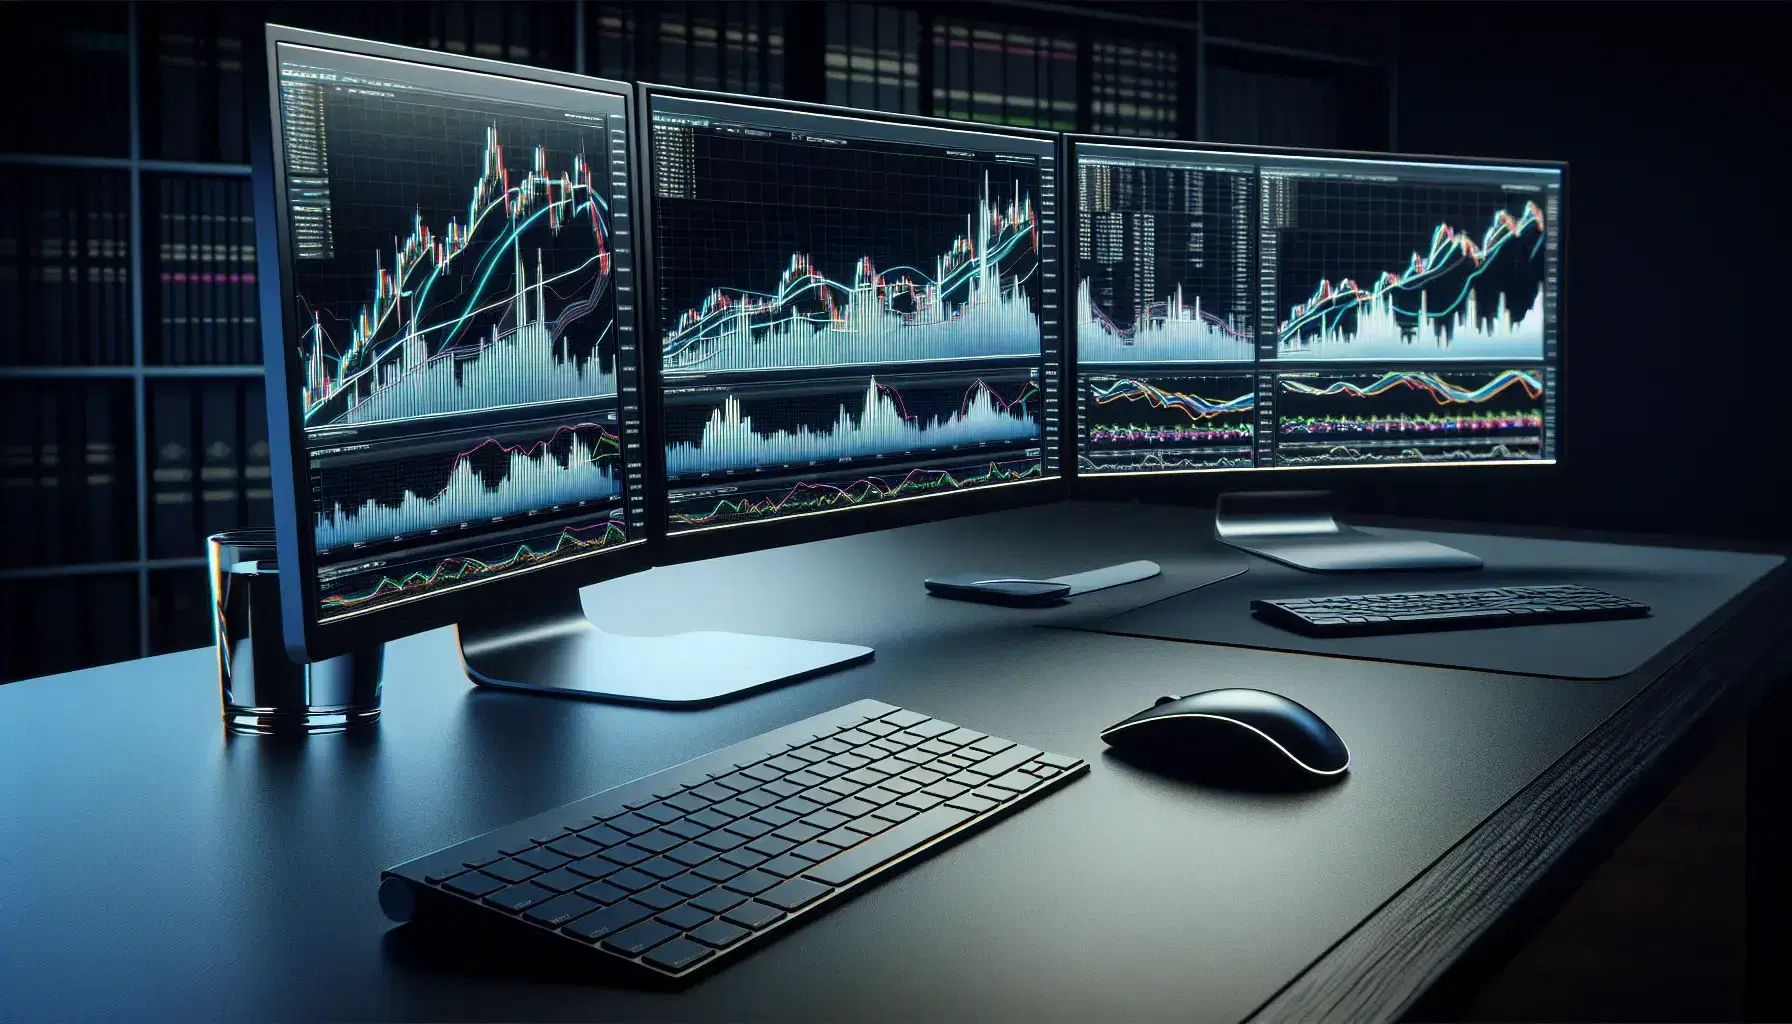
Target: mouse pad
[(1681, 586)]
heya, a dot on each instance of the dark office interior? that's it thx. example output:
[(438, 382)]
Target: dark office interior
[(133, 421)]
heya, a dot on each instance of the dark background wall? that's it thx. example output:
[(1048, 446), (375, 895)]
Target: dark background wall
[(1674, 120)]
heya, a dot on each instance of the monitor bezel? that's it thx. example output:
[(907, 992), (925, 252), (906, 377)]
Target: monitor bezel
[(306, 637), (672, 547), (1205, 483)]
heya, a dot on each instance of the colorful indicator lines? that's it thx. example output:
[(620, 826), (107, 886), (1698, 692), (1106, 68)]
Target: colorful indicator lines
[(1195, 407), (1441, 391), (1134, 434), (822, 497), (569, 541), (1307, 426)]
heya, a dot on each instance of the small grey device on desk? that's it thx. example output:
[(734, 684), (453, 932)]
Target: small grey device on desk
[(1026, 592), (1296, 528)]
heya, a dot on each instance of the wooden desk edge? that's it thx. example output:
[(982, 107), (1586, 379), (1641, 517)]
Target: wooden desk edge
[(1446, 930)]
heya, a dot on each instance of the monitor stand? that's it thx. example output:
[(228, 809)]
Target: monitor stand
[(552, 648), (1296, 528)]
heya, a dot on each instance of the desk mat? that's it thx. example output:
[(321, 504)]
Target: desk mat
[(1682, 587)]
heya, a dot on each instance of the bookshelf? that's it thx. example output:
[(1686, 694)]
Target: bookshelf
[(140, 164)]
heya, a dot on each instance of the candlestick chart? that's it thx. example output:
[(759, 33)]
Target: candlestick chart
[(471, 273), (1409, 416), (1133, 424), (1406, 271), (969, 303)]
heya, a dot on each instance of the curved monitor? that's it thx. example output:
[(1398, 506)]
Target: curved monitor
[(450, 344), (1243, 310), (857, 315)]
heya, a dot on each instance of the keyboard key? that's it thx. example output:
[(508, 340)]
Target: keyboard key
[(719, 934), (688, 884), (904, 718), (973, 803), (800, 832), (786, 764), (920, 801), (438, 877), (775, 817), (895, 813), (599, 923), (763, 773), (878, 795), (632, 824), (752, 882), (799, 806), (855, 737), (915, 757), (992, 745), (739, 782), (878, 728), (753, 914), (657, 841), (560, 880), (864, 777), (870, 824), (945, 789), (661, 813), (915, 832), (816, 851), (632, 880), (603, 835), (677, 954), (560, 910), (786, 866), (749, 827), (771, 846), (685, 828), (717, 870), (1020, 782), (709, 818), (809, 754), (744, 858), (842, 837), (518, 898), (827, 820), (573, 847), (713, 793), (474, 885), (689, 803), (512, 870), (1007, 761), (736, 808), (716, 901), (691, 854), (514, 847), (639, 938), (849, 761), (936, 748), (625, 854), (594, 867), (658, 897), (850, 808), (839, 787), (960, 737), (825, 769), (661, 867), (890, 766), (794, 894), (922, 776), (604, 892)]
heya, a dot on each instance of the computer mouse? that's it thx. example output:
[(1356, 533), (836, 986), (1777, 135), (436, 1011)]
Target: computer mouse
[(1240, 736)]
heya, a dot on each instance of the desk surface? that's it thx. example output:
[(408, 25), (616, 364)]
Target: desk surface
[(155, 867)]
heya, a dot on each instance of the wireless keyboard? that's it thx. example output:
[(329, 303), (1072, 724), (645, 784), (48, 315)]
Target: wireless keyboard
[(683, 870), (1419, 611)]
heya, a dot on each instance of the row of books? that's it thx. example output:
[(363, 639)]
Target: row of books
[(196, 93), (208, 462), (204, 301), (66, 468), (65, 269)]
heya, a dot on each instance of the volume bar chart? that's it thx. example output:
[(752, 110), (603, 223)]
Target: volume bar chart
[(1169, 331), (972, 303), (528, 479), (882, 425)]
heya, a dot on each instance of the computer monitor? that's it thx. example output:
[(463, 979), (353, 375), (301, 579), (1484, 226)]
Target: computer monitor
[(1247, 311), (857, 317), (450, 345)]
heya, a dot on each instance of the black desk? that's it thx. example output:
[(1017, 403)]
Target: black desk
[(152, 868)]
